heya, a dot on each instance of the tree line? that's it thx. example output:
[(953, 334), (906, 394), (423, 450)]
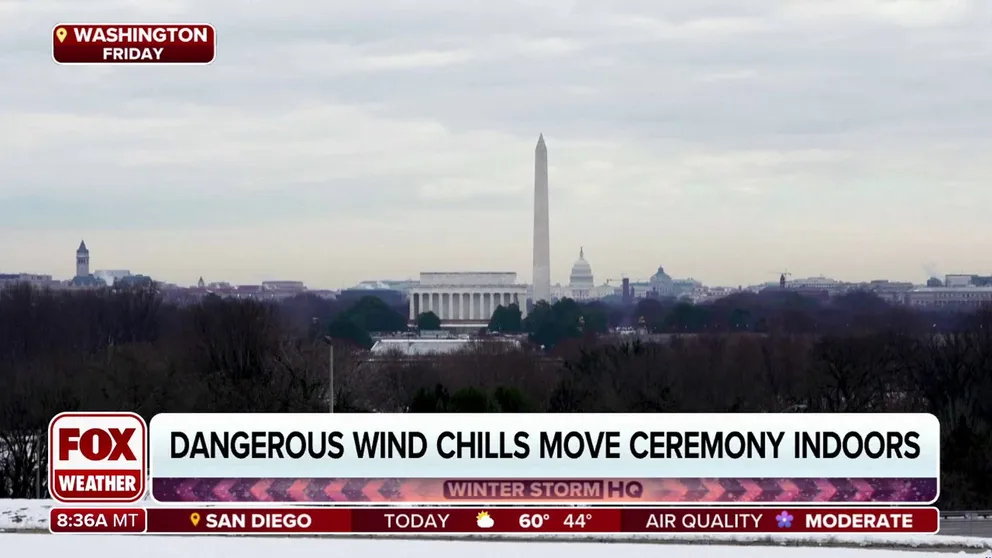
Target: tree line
[(127, 349)]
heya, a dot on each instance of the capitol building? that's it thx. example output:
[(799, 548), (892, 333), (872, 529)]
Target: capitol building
[(582, 284)]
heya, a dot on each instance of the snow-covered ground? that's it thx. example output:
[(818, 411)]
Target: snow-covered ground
[(19, 516), (222, 547)]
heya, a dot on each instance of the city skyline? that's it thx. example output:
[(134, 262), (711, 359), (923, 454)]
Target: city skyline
[(83, 270), (334, 143)]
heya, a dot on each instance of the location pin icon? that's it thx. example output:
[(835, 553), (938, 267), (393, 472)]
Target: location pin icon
[(194, 518), (60, 34)]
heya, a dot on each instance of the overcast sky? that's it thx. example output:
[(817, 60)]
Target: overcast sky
[(342, 140)]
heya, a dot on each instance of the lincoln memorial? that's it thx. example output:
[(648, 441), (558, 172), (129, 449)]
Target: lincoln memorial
[(466, 299)]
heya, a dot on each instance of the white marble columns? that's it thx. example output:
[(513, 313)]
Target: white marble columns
[(465, 304)]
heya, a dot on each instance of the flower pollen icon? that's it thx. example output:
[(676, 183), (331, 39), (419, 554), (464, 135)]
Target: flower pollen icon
[(784, 520), (484, 521)]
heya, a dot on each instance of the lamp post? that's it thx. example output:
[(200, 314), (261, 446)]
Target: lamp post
[(330, 370), (37, 469)]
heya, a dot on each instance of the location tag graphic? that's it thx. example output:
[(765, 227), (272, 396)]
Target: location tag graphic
[(194, 518), (137, 43)]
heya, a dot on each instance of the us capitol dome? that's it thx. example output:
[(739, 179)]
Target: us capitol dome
[(580, 281)]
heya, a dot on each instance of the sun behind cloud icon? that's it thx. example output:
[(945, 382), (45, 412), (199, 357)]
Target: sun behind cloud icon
[(484, 521)]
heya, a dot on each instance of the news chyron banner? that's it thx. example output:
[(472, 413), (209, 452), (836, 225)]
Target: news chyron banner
[(539, 459), (84, 43), (496, 459), (323, 520)]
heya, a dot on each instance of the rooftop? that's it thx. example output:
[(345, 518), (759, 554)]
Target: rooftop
[(966, 289), (434, 346)]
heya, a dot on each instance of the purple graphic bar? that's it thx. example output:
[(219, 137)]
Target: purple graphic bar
[(533, 491)]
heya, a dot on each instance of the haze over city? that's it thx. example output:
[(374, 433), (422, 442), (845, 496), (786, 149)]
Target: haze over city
[(332, 142)]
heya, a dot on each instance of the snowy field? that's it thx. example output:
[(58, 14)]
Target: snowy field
[(21, 521), (223, 547)]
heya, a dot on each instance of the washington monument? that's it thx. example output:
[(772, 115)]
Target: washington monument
[(542, 241)]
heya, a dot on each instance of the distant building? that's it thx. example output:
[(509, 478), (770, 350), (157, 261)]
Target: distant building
[(581, 284), (247, 292), (965, 298), (820, 283), (428, 346), (967, 280), (130, 280), (581, 281), (958, 280), (267, 291), (402, 285), (111, 276), (889, 291), (661, 285), (83, 278), (466, 300), (82, 260), (291, 287), (39, 281)]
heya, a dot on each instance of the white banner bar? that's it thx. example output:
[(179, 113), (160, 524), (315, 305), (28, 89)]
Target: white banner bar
[(544, 446)]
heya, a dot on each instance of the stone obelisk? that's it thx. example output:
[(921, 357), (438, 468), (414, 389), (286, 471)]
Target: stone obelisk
[(542, 240)]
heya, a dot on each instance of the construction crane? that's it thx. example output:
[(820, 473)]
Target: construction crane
[(624, 276), (628, 294)]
